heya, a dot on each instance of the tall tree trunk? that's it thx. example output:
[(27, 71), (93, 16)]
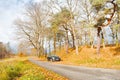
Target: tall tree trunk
[(76, 44), (54, 43), (103, 40), (73, 39), (118, 22), (98, 45), (91, 43), (98, 39), (43, 50), (113, 35), (60, 44), (67, 41), (117, 41), (85, 39), (91, 38), (38, 53), (49, 48)]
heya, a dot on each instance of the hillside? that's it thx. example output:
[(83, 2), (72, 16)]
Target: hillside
[(109, 57)]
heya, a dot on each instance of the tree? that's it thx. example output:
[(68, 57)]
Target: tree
[(66, 17), (102, 21), (31, 29), (72, 6), (60, 38), (3, 51), (87, 21), (61, 19)]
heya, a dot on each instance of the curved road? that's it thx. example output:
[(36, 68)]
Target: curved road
[(78, 72)]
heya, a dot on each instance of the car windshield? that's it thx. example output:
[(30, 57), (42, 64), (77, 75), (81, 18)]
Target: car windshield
[(55, 56)]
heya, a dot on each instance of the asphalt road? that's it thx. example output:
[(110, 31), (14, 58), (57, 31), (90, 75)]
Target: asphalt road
[(79, 72)]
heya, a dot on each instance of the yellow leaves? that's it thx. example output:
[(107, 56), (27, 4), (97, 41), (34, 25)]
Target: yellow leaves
[(49, 75), (28, 71), (109, 57), (96, 2)]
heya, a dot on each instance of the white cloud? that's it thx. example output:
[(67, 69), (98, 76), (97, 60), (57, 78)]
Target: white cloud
[(9, 11)]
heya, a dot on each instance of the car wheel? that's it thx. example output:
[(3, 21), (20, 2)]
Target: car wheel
[(51, 60)]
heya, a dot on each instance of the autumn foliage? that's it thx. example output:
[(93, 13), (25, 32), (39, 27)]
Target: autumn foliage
[(109, 57)]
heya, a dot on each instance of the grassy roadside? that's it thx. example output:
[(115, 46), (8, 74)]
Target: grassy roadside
[(22, 69), (109, 57)]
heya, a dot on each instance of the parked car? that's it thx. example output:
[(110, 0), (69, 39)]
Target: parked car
[(53, 58)]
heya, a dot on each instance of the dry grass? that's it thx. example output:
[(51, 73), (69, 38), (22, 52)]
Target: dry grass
[(27, 70), (108, 58)]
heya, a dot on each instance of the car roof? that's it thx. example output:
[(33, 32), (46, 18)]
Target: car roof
[(53, 56)]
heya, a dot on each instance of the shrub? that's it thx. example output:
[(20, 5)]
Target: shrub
[(21, 54), (13, 71)]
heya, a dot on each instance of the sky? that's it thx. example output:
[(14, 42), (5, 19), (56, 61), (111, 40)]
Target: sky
[(9, 11)]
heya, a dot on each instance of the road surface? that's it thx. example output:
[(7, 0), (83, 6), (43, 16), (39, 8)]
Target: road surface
[(78, 72)]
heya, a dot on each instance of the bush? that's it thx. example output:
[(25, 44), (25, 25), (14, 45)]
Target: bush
[(13, 71), (21, 54), (9, 71)]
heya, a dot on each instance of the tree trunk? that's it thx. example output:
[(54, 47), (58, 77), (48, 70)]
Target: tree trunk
[(67, 41), (98, 39), (76, 44), (103, 40), (98, 45), (49, 48), (85, 38), (118, 27), (54, 43), (73, 39), (117, 41), (43, 50), (60, 44), (38, 53), (91, 43), (103, 43), (91, 39)]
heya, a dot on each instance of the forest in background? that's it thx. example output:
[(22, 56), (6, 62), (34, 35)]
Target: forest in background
[(54, 24), (5, 50)]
